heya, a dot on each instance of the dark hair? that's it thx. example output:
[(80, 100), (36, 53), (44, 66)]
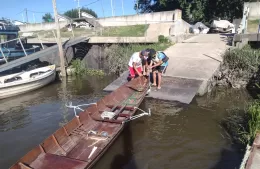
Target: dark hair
[(152, 52)]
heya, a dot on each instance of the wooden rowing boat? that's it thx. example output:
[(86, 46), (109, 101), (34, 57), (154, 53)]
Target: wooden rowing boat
[(83, 140)]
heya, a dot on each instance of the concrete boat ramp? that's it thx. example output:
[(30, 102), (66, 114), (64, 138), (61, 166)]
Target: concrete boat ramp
[(192, 64)]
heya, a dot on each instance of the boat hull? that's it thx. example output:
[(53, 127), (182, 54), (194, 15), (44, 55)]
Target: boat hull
[(26, 86), (80, 143)]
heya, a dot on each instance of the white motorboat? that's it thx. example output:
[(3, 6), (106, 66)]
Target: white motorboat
[(23, 82)]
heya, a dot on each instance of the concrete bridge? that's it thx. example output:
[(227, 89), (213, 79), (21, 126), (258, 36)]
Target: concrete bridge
[(47, 52), (192, 64)]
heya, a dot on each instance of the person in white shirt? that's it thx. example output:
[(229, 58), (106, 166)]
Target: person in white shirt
[(135, 64)]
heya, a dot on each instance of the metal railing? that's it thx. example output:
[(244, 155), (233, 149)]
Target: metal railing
[(17, 39)]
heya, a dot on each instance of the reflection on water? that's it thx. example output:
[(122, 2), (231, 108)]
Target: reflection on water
[(26, 120), (175, 136), (179, 136)]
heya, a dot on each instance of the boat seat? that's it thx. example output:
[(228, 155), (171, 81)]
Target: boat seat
[(65, 141), (45, 161), (50, 145), (72, 126), (116, 114)]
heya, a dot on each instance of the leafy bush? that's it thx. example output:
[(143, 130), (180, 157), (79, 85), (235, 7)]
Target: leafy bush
[(78, 66), (245, 59), (163, 39), (81, 69)]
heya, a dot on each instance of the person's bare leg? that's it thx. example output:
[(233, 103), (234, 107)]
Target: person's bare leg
[(144, 70), (159, 80), (154, 78)]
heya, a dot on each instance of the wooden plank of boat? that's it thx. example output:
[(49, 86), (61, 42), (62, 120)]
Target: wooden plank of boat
[(82, 141), (23, 82)]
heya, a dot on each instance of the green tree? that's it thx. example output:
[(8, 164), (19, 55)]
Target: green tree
[(196, 10), (47, 18), (73, 13)]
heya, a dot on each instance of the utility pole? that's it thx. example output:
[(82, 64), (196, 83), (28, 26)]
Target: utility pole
[(62, 65), (26, 15), (123, 7), (78, 7), (112, 7), (102, 8)]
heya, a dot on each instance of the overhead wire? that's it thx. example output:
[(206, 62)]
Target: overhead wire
[(91, 3)]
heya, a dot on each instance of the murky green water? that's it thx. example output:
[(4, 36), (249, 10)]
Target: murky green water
[(176, 136)]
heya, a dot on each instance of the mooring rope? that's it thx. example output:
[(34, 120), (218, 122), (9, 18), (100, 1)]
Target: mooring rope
[(78, 107), (139, 115)]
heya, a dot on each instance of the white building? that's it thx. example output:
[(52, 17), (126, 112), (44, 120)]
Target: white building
[(15, 22)]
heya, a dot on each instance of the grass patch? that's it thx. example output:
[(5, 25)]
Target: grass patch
[(117, 56), (120, 31), (127, 31), (253, 122), (243, 125), (63, 32), (252, 26)]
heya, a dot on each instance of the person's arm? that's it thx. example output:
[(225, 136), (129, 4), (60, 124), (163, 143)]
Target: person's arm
[(134, 66), (158, 64), (151, 63)]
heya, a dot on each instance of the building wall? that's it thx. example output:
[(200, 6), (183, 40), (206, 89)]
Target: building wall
[(254, 9), (179, 27), (148, 18)]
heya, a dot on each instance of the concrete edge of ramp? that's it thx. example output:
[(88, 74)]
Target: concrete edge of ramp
[(117, 83), (173, 88)]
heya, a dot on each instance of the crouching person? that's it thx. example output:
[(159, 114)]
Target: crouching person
[(135, 65), (159, 64)]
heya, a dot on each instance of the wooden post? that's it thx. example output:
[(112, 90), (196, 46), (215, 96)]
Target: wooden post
[(62, 65)]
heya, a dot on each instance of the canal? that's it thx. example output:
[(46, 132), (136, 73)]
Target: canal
[(176, 136)]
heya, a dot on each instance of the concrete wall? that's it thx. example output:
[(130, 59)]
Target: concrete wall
[(254, 12), (179, 27), (148, 18), (40, 26)]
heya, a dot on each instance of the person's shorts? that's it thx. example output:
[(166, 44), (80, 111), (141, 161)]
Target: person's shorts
[(160, 69), (132, 71)]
